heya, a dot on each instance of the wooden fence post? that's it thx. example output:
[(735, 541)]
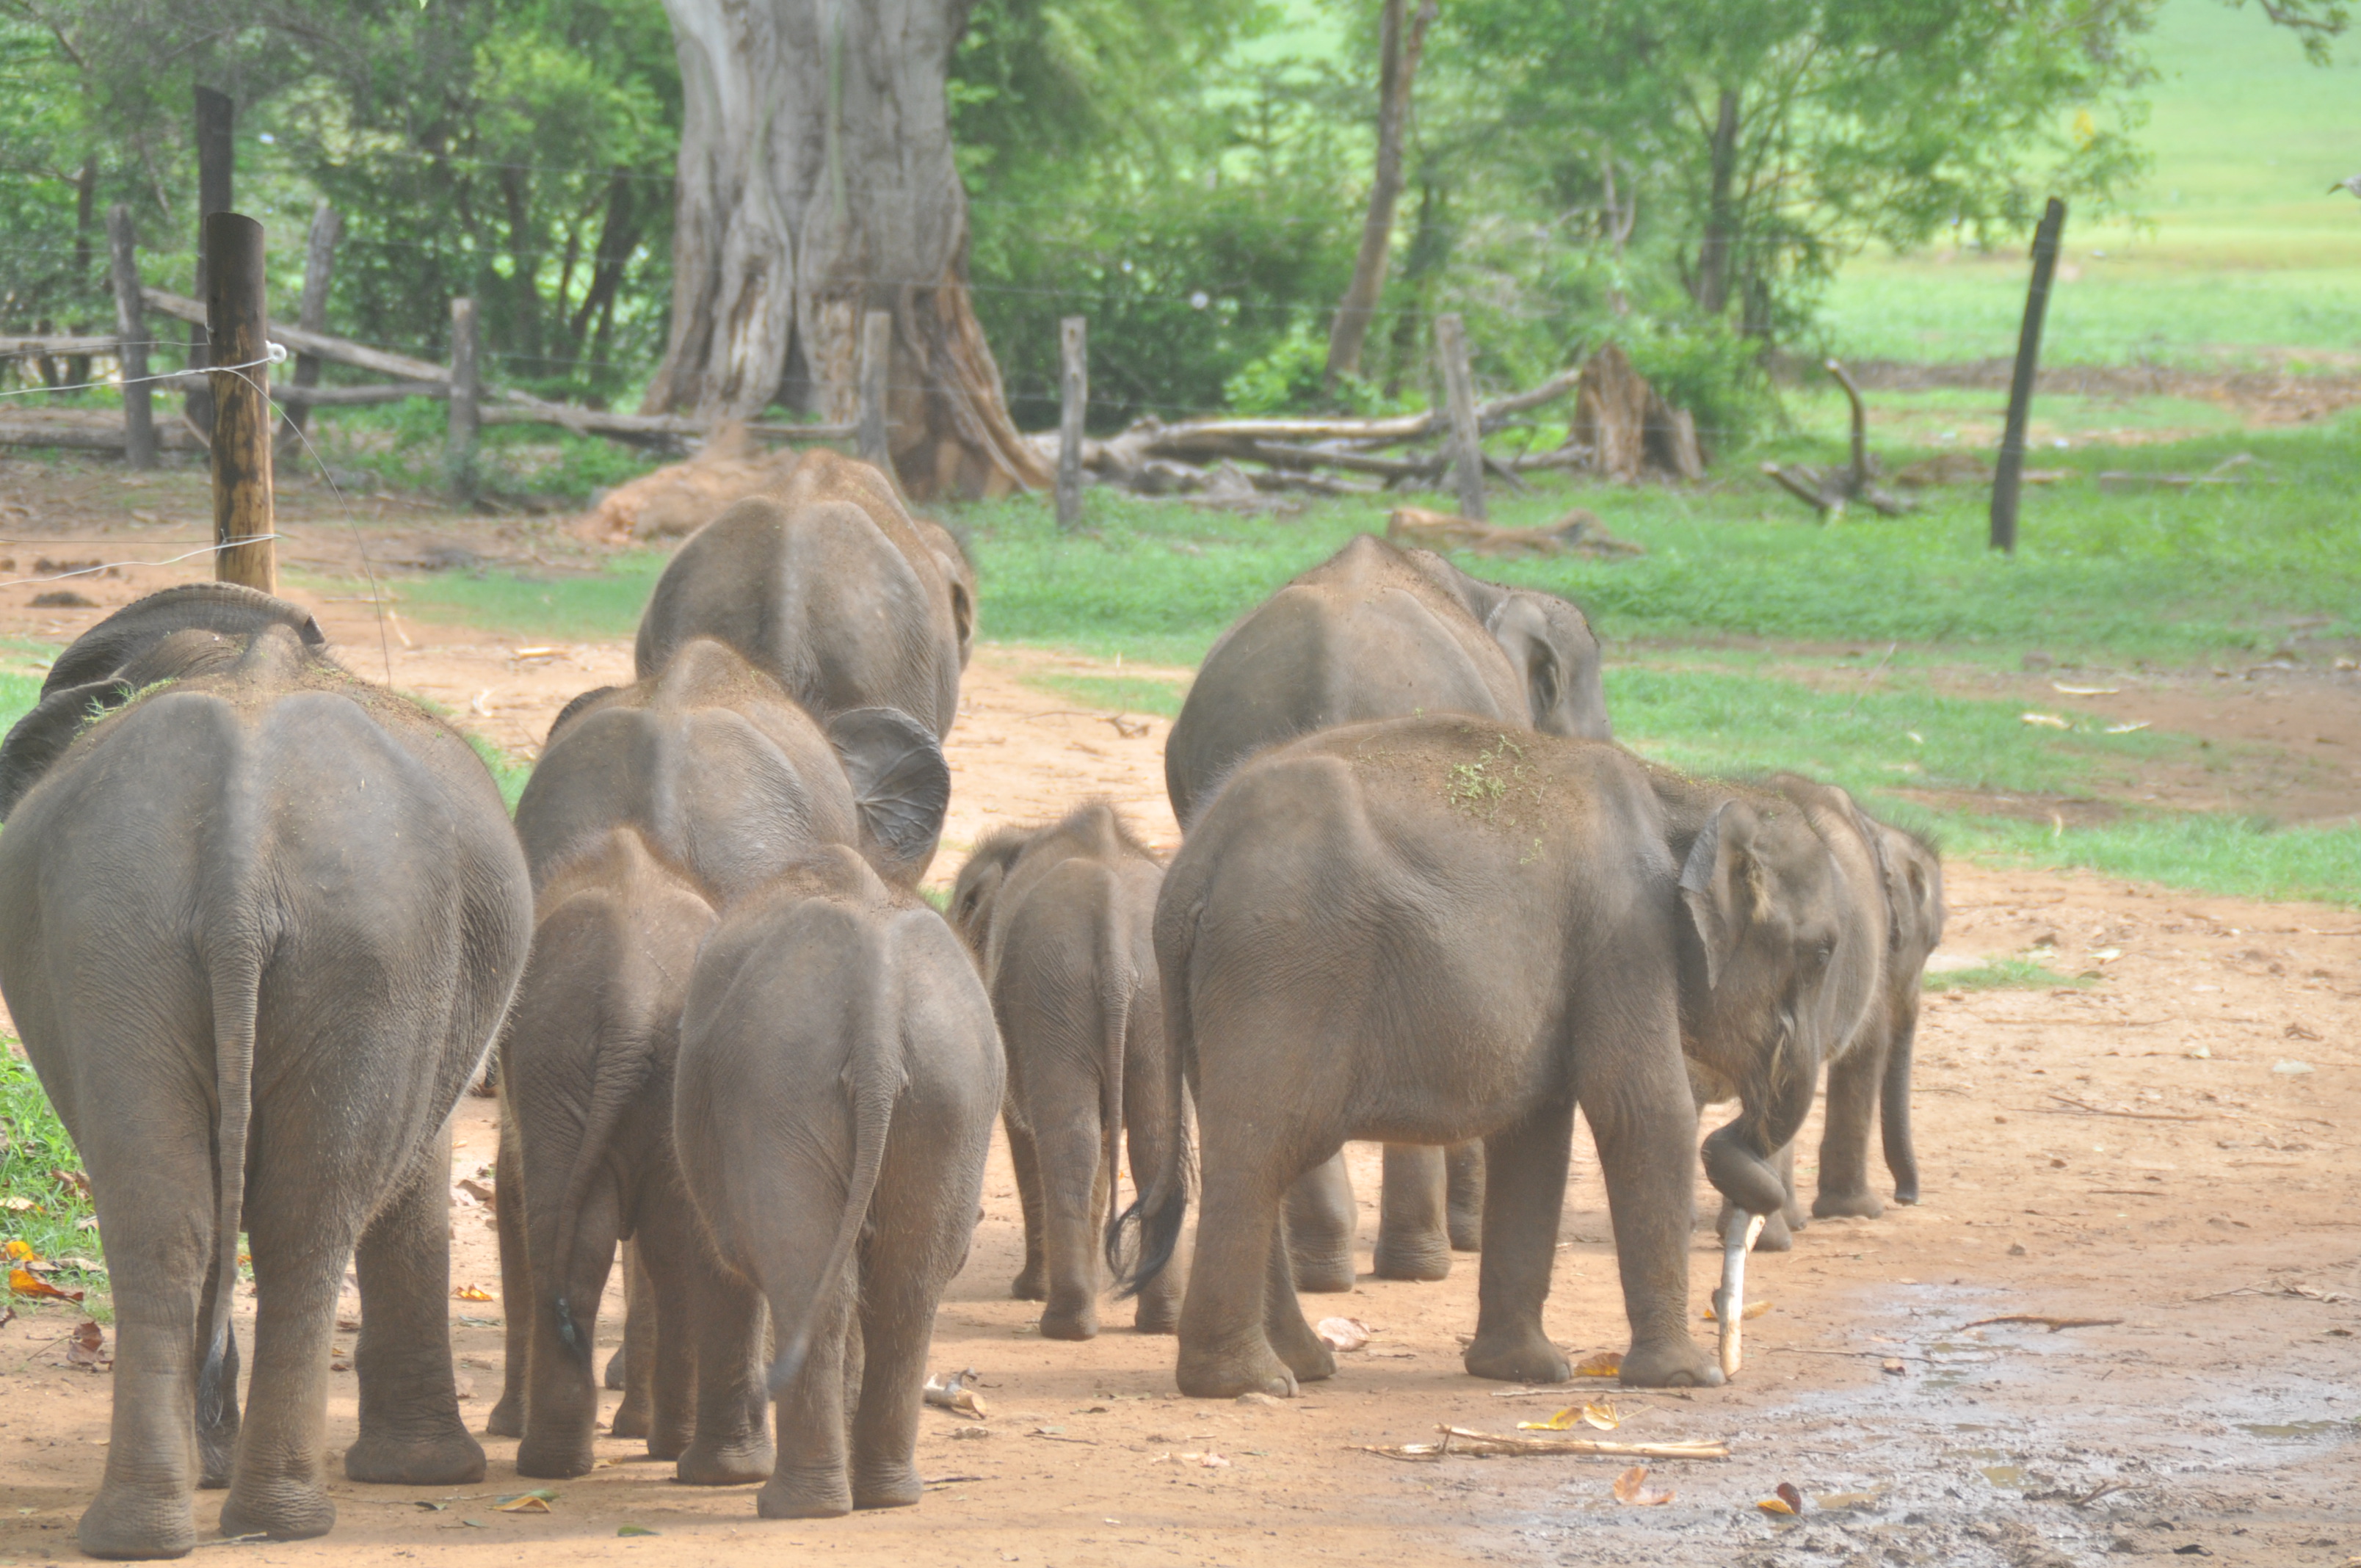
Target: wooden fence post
[(467, 397), (1467, 452), (131, 331), (1074, 396), (240, 332), (2008, 476), (876, 368), (311, 315), (216, 162)]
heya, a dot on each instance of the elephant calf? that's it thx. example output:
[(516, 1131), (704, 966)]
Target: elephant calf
[(1062, 920), (586, 1159), (1429, 930), (838, 1077), (257, 928)]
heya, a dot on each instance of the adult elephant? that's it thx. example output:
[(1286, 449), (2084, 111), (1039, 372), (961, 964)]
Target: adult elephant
[(830, 588), (258, 927), (1432, 929), (1377, 632)]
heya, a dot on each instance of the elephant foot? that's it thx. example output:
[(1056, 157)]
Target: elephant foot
[(615, 1377), (450, 1459), (806, 1495), (1302, 1350), (1521, 1354), (1321, 1270), (887, 1487), (546, 1458), (630, 1418), (137, 1524), (670, 1440), (1158, 1315), (507, 1418), (1466, 1231), (1859, 1203), (1670, 1364), (1907, 1192), (215, 1464), (704, 1463), (1032, 1284), (1420, 1257), (287, 1513), (1071, 1323), (1203, 1375)]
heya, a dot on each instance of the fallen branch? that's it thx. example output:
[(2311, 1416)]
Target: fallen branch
[(2052, 1324), (2081, 1107), (1501, 1444)]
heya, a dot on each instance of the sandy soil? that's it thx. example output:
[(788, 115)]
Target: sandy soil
[(2186, 1166)]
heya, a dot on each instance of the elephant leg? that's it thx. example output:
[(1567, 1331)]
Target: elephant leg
[(1524, 1194), (1032, 1282), (507, 1418), (676, 1283), (217, 1429), (561, 1427), (1072, 1194), (277, 1487), (1647, 1153), (1283, 1322), (154, 1214), (1844, 1144), (1242, 1244), (1894, 1113), (812, 1479), (731, 1448), (1463, 1166), (903, 1274), (1146, 1132), (637, 1351), (410, 1429), (1322, 1218), (1413, 1240)]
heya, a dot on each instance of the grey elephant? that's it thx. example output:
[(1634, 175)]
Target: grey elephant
[(838, 1078), (1379, 632), (1434, 929), (728, 778), (257, 925), (586, 1159), (1062, 921), (830, 588), (1892, 887)]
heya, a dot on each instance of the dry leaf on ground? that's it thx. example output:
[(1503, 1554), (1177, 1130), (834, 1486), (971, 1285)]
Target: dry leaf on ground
[(87, 1346), (1631, 1487), (534, 1502), (472, 1293), (1753, 1310), (1601, 1364), (1341, 1333), (1601, 1415), (21, 1251), (24, 1282), (1787, 1500)]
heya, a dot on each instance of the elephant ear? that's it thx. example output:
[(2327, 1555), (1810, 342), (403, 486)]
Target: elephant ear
[(41, 736), (901, 785), (574, 711), (1721, 885)]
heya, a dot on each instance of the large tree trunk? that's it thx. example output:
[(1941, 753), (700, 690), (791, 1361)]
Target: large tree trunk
[(817, 184), (1397, 69), (1712, 291)]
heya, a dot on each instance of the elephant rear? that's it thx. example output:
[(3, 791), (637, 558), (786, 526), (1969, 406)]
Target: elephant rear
[(838, 1069)]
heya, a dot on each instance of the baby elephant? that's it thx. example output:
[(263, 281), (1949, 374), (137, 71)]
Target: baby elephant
[(832, 1105), (1062, 920)]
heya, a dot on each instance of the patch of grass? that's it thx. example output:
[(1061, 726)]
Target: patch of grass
[(405, 445), (2000, 974), (2204, 851), (564, 606), (508, 772), (40, 1205), (1116, 694)]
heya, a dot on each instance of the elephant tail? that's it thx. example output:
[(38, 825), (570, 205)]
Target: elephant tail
[(235, 973), (1157, 1211), (874, 1078), (623, 1070), (1118, 985)]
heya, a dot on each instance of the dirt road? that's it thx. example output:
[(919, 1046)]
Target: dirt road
[(2171, 1145)]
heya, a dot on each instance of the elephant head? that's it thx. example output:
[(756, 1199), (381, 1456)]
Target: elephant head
[(972, 896), (1550, 645), (1764, 986)]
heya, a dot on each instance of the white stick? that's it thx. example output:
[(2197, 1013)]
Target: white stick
[(1729, 1302)]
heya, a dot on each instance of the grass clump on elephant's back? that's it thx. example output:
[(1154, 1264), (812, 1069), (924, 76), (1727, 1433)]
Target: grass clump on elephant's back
[(44, 1197)]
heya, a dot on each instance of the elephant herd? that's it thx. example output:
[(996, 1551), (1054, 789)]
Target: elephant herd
[(261, 922)]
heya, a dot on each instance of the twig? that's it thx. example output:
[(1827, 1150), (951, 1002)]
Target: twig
[(2052, 1324), (2081, 1107), (1464, 1439)]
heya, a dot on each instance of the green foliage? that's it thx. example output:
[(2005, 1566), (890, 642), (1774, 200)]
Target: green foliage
[(37, 1159), (2000, 974), (1116, 694), (405, 445)]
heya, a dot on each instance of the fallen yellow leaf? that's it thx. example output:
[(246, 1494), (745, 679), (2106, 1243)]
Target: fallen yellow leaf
[(527, 1502), (1601, 1415), (20, 1251), (1631, 1487), (472, 1293), (1753, 1310), (1603, 1363), (24, 1282)]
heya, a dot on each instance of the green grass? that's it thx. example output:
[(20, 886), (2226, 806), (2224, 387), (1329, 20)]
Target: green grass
[(2000, 974), (36, 1150), (2205, 851), (1118, 694), (561, 605)]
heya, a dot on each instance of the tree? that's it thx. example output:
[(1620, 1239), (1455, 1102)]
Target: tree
[(1398, 49), (817, 184)]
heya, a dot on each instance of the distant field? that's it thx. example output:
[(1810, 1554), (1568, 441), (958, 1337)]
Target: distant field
[(2234, 254)]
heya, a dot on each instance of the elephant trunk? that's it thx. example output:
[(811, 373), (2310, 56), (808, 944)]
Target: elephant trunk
[(1775, 1101)]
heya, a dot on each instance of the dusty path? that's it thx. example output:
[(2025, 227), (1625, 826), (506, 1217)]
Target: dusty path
[(2143, 1147)]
